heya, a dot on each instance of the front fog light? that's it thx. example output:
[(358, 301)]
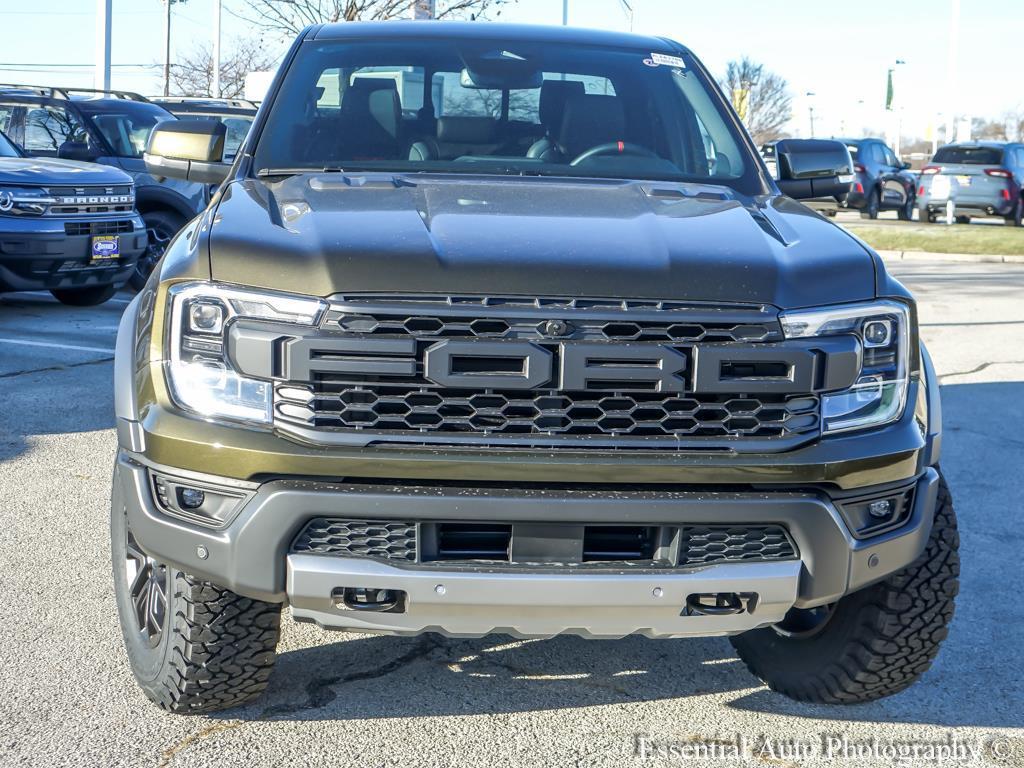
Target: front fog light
[(197, 502)]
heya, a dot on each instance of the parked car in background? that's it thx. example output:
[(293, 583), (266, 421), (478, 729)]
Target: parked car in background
[(108, 127), (883, 183), (66, 227), (974, 179), (236, 114)]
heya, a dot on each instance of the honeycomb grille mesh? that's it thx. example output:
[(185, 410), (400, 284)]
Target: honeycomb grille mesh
[(365, 403), (552, 413), (699, 545), (705, 545), (358, 538)]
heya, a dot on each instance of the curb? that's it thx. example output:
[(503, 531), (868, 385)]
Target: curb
[(969, 257)]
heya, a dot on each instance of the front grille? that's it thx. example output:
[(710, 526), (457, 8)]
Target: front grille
[(378, 389), (358, 538), (98, 227), (473, 541), (498, 412), (637, 546), (704, 545)]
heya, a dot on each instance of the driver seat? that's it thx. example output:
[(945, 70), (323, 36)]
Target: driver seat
[(589, 121)]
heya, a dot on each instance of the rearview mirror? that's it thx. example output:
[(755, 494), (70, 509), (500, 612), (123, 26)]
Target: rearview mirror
[(810, 168), (192, 150)]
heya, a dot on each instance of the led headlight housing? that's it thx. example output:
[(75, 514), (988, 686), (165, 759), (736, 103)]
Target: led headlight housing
[(880, 393), (200, 377), (24, 201)]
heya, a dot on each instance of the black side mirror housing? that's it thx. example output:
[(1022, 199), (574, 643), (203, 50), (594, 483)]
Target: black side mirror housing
[(811, 168), (77, 150), (192, 150)]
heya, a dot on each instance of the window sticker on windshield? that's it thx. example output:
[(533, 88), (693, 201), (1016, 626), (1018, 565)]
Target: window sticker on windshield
[(665, 61)]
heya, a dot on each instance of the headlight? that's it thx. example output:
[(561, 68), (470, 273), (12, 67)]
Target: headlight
[(199, 374), (880, 393), (24, 201)]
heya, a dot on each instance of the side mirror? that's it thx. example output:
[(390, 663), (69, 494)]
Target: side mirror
[(810, 168), (192, 150), (77, 150)]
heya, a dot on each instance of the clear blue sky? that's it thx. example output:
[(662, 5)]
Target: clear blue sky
[(838, 51)]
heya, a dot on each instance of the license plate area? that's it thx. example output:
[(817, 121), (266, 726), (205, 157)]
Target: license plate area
[(104, 249)]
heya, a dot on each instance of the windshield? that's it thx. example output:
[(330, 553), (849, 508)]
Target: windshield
[(125, 125), (969, 155), (514, 108), (7, 148)]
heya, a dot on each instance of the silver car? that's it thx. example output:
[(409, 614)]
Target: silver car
[(973, 179)]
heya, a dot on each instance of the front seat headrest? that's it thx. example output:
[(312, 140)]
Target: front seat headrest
[(589, 121), (554, 95)]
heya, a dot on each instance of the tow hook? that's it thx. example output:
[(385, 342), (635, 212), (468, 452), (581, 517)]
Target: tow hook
[(720, 603), (369, 599)]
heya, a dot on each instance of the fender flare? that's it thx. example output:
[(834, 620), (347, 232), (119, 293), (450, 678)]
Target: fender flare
[(126, 410), (933, 438)]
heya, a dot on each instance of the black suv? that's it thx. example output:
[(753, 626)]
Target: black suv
[(66, 227), (108, 127), (494, 328)]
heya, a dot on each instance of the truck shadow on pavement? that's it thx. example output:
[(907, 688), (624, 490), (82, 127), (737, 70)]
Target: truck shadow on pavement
[(977, 680)]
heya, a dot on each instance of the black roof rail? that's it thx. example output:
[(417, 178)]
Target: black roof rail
[(48, 91), (117, 94), (55, 92), (200, 100)]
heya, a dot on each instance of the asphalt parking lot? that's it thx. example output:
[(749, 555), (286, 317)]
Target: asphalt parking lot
[(67, 696)]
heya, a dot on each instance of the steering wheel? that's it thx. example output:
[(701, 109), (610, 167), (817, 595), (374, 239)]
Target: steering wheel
[(615, 148)]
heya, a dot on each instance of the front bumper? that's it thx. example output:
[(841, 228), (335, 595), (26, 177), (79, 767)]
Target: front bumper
[(251, 555), (38, 254)]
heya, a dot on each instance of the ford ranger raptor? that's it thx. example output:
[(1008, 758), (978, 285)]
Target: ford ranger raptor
[(502, 329)]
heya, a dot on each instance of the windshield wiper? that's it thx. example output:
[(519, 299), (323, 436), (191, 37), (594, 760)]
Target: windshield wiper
[(264, 172)]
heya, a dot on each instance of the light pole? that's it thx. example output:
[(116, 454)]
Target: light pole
[(810, 110), (215, 88), (565, 13), (103, 28), (167, 43), (167, 47)]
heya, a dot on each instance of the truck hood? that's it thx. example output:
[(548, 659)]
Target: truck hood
[(43, 171), (331, 233)]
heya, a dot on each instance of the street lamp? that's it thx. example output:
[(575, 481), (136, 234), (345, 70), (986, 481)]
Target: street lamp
[(810, 109)]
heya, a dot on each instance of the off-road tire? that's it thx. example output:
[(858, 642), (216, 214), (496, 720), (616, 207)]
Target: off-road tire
[(878, 641), (84, 297), (217, 648)]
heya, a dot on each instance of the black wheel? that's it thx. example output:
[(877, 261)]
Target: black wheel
[(84, 297), (872, 643), (192, 646), (161, 227), (870, 210), (906, 211), (1016, 219)]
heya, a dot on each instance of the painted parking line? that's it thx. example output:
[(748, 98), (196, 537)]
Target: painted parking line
[(54, 345)]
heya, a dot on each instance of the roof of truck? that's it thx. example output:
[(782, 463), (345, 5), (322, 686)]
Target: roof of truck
[(477, 31)]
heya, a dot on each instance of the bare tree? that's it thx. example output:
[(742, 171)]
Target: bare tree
[(289, 17), (760, 97), (192, 75)]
